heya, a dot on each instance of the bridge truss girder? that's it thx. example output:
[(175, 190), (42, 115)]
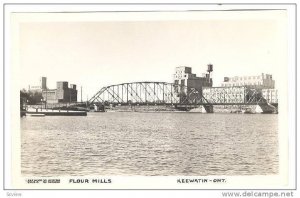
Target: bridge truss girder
[(146, 93), (162, 93), (232, 95)]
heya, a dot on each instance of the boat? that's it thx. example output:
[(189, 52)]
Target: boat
[(56, 113), (36, 114)]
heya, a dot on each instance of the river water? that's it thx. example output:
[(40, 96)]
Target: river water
[(156, 144)]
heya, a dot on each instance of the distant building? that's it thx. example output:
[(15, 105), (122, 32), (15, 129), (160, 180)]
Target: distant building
[(225, 94), (183, 76), (39, 88), (62, 94), (271, 95), (263, 81)]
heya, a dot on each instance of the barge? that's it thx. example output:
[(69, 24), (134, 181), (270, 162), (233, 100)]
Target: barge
[(56, 113)]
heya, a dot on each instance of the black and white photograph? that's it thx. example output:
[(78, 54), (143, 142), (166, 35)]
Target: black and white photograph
[(188, 99)]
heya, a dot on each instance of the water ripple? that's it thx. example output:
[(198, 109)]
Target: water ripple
[(150, 144)]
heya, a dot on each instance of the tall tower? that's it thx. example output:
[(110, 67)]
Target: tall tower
[(43, 83), (209, 70)]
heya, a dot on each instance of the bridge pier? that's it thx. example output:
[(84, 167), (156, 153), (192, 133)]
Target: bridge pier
[(267, 108), (209, 108)]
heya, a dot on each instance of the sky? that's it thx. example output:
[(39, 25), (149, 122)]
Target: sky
[(93, 54)]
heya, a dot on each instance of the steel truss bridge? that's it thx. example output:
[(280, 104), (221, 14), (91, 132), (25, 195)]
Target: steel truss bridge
[(163, 93)]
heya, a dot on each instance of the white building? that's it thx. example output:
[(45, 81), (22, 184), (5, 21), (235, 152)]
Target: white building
[(271, 95), (225, 94), (263, 81)]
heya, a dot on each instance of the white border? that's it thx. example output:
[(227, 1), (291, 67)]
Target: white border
[(51, 8)]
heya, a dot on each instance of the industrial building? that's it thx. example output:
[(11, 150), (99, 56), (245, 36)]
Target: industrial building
[(62, 94), (241, 89), (225, 94), (185, 78), (271, 95), (263, 81), (38, 88)]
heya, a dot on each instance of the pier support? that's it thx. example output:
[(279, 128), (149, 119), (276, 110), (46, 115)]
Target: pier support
[(209, 108), (199, 109), (267, 108)]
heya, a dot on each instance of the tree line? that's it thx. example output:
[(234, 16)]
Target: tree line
[(30, 98)]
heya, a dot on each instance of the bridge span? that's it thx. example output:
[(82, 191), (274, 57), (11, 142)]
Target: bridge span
[(182, 97)]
